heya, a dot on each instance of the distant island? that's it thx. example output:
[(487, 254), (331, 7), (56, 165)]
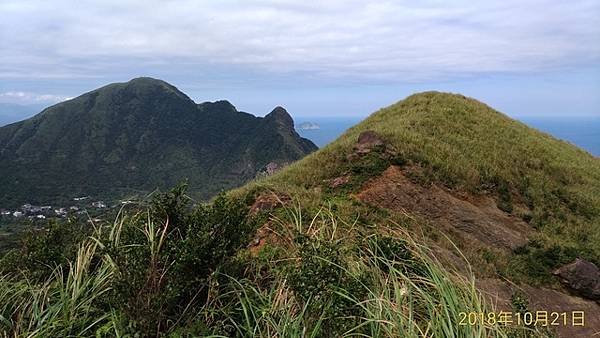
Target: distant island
[(309, 126)]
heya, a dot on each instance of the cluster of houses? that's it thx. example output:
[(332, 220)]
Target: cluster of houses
[(47, 211)]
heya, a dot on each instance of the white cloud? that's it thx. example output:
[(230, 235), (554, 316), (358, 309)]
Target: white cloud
[(368, 40), (30, 98)]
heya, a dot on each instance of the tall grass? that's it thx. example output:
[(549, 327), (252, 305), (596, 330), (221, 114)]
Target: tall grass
[(123, 279), (401, 304), (370, 290), (65, 305), (394, 301)]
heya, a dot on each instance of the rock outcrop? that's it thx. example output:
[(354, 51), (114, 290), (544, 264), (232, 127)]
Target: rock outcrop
[(370, 142), (582, 278), (367, 141)]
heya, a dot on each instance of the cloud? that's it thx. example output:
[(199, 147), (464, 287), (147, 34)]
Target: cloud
[(20, 97), (372, 41)]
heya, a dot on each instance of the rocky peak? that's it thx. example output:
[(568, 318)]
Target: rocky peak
[(280, 115), (135, 124)]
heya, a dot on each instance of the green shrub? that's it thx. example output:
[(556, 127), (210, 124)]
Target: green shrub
[(321, 273), (396, 252), (536, 260), (42, 250), (166, 256)]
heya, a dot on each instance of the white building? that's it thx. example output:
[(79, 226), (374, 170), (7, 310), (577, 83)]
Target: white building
[(99, 204)]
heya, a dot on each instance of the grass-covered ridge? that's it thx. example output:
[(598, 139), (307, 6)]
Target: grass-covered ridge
[(467, 146)]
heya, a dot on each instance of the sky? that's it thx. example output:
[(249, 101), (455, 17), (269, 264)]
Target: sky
[(328, 58)]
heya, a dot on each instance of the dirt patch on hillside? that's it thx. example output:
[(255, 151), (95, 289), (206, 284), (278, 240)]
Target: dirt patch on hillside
[(268, 201), (264, 235), (475, 217)]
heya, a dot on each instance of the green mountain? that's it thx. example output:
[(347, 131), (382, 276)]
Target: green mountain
[(134, 137)]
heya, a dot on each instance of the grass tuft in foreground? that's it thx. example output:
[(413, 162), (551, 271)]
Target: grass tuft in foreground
[(336, 281)]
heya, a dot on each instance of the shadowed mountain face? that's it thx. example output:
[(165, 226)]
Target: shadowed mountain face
[(135, 137)]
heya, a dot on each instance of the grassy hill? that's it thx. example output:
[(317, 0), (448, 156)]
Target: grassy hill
[(469, 148), (467, 180), (370, 236), (464, 144)]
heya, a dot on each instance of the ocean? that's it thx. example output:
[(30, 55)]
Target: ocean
[(583, 132)]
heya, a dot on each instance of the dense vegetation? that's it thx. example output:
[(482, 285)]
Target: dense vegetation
[(131, 138), (170, 269)]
